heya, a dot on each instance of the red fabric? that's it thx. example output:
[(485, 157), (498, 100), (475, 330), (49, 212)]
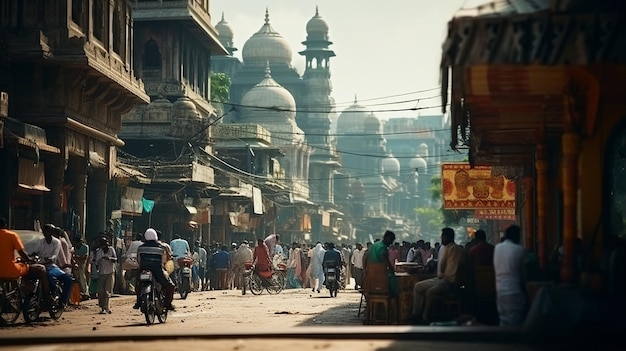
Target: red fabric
[(261, 257)]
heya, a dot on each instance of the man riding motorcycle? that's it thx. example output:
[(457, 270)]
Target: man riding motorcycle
[(48, 249), (332, 258), (151, 256), (9, 268)]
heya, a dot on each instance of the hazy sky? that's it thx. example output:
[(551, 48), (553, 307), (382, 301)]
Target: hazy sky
[(388, 51)]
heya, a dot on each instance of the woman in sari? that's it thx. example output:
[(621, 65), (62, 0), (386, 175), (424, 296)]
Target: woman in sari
[(294, 268)]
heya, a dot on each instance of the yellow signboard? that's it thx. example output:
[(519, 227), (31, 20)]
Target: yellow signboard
[(475, 188)]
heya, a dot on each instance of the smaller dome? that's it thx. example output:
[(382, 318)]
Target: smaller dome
[(317, 25), (160, 103), (372, 124), (419, 163), (184, 107), (267, 101), (184, 103), (351, 119), (225, 32), (391, 166)]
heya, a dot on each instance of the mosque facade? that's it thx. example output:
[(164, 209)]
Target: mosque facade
[(345, 183)]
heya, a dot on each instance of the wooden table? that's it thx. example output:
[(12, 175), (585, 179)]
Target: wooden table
[(406, 282)]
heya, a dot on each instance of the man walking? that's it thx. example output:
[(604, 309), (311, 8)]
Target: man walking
[(508, 262), (105, 261), (357, 265)]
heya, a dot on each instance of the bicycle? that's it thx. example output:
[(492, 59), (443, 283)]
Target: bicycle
[(272, 281)]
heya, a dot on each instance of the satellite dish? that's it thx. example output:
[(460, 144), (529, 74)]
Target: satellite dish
[(371, 239)]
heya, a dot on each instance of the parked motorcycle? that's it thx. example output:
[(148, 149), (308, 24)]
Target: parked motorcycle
[(183, 276), (331, 279), (272, 281), (152, 298), (34, 299)]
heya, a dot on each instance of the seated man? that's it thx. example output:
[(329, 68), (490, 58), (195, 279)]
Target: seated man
[(10, 269), (427, 291), (152, 256), (379, 253), (48, 249)]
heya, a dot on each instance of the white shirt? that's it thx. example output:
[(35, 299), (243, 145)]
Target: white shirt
[(49, 251), (442, 248), (357, 258), (508, 261)]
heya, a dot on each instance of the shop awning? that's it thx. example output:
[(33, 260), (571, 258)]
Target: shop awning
[(131, 201), (127, 171), (31, 176)]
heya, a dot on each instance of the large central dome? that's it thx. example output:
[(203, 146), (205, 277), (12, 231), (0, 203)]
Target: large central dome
[(266, 45)]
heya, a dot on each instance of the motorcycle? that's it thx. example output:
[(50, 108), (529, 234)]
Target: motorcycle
[(34, 300), (331, 279), (183, 276), (152, 298), (10, 300), (273, 281)]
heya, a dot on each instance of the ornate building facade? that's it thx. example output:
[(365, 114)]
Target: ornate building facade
[(66, 67), (168, 140)]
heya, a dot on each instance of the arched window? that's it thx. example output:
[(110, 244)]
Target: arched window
[(615, 170)]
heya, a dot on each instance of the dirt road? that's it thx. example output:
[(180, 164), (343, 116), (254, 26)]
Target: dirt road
[(218, 311)]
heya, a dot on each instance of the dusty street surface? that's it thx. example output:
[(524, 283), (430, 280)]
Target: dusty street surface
[(209, 311)]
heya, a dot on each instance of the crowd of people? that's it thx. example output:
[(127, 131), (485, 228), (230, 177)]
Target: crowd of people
[(218, 267)]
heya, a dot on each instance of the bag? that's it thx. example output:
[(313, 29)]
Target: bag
[(130, 263), (169, 266)]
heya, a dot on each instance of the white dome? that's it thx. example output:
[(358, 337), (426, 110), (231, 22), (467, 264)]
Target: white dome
[(268, 101), (351, 119), (225, 32), (419, 163), (317, 27), (391, 166), (372, 124), (266, 45)]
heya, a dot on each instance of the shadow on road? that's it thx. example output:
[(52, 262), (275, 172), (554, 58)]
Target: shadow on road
[(344, 314)]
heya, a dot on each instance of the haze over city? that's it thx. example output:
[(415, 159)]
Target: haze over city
[(387, 56)]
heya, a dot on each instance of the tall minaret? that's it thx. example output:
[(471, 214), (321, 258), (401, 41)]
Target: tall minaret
[(317, 105)]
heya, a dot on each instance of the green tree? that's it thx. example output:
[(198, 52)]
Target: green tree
[(431, 222), (220, 85)]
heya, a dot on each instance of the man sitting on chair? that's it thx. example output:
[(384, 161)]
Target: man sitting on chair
[(427, 291)]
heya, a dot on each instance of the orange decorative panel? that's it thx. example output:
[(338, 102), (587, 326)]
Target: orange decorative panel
[(463, 187)]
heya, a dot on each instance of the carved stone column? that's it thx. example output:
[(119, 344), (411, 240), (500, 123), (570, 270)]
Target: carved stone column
[(541, 167), (96, 203), (79, 193), (570, 145), (529, 238), (55, 172)]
